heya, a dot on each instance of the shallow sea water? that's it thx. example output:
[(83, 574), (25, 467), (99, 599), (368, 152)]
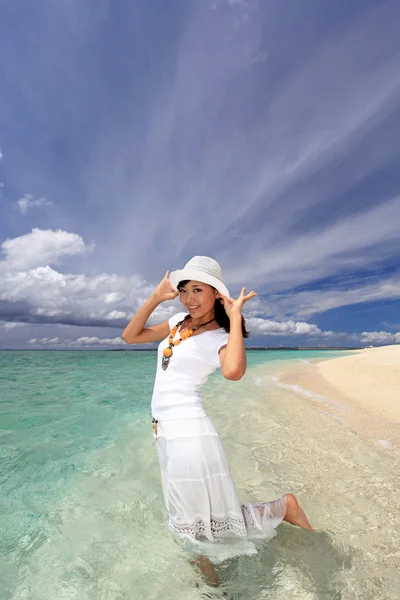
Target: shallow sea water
[(81, 512)]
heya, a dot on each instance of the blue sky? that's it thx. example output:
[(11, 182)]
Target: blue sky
[(135, 135)]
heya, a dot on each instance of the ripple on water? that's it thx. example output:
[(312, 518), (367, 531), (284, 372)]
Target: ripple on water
[(82, 514)]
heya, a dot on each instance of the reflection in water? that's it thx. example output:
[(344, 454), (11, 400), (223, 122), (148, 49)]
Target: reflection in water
[(298, 560)]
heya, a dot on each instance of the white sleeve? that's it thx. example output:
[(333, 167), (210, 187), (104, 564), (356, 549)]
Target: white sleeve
[(219, 340)]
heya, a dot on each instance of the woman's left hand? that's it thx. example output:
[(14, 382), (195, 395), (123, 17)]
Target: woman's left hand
[(233, 306)]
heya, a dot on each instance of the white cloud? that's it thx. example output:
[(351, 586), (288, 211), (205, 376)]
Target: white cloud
[(93, 341), (41, 247), (84, 341), (27, 202), (117, 314), (80, 299), (12, 325), (111, 300), (271, 182), (260, 326), (104, 299), (1, 154), (380, 337), (46, 341), (50, 296)]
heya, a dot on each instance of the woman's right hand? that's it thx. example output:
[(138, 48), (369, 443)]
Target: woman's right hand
[(164, 291)]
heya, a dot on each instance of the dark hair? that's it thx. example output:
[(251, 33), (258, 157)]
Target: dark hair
[(220, 315)]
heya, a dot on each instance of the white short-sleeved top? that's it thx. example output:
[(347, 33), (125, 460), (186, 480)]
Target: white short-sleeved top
[(176, 390)]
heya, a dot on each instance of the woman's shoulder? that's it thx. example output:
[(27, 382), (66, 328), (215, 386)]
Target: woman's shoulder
[(176, 318)]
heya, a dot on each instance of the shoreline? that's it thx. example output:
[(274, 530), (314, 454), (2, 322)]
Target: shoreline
[(251, 348), (362, 388)]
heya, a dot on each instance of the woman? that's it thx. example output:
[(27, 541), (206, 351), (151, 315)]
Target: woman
[(198, 489)]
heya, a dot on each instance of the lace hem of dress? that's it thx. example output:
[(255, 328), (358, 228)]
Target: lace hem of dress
[(215, 527), (257, 520)]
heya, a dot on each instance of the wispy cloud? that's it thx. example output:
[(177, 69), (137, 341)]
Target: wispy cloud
[(1, 182), (27, 202), (242, 132), (391, 325), (314, 301), (357, 242), (12, 325), (270, 194)]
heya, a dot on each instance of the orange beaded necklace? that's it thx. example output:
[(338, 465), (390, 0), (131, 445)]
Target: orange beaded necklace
[(167, 352)]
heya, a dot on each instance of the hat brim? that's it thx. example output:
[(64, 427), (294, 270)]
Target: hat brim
[(191, 274)]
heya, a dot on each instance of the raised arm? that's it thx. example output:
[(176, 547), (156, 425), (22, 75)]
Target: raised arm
[(136, 332), (233, 356)]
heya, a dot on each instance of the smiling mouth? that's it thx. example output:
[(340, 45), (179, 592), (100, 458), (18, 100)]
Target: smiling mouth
[(193, 307)]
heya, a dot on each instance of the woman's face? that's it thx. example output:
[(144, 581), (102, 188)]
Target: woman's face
[(198, 298)]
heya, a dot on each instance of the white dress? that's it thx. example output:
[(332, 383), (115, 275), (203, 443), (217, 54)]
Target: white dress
[(199, 494)]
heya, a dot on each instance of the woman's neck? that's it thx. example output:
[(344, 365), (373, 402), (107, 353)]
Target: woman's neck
[(193, 322)]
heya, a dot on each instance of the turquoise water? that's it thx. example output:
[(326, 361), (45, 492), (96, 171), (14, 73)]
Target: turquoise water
[(81, 513)]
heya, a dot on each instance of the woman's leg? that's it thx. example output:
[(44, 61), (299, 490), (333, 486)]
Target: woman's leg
[(293, 513), (207, 570)]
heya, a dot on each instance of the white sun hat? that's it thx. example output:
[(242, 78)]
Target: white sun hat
[(203, 269)]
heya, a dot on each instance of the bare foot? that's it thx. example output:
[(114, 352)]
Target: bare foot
[(207, 570), (295, 514)]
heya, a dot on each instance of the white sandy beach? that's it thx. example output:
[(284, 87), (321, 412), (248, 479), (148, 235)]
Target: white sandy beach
[(367, 381), (371, 378)]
